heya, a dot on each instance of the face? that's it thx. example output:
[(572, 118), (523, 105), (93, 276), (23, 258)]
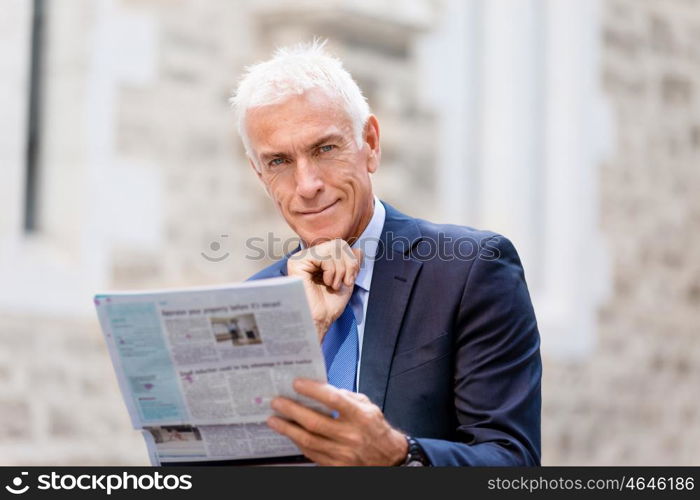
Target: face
[(310, 164)]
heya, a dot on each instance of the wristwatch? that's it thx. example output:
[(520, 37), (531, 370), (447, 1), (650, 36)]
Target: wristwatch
[(415, 457)]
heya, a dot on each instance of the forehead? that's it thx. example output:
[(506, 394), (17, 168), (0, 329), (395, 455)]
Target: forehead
[(297, 120)]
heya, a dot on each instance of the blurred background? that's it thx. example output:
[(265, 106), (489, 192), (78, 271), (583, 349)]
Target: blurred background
[(573, 127)]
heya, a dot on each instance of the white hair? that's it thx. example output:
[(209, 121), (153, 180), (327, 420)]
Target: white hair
[(294, 71)]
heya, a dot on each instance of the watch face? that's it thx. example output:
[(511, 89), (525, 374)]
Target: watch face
[(415, 463)]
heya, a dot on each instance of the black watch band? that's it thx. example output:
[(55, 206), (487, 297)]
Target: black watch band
[(415, 457)]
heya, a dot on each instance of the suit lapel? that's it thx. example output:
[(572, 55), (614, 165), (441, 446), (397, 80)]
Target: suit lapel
[(392, 282)]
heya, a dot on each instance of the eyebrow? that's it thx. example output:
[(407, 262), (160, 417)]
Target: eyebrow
[(265, 157), (325, 139)]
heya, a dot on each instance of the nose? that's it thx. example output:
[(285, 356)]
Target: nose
[(308, 178)]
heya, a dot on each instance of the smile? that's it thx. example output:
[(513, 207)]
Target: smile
[(319, 212)]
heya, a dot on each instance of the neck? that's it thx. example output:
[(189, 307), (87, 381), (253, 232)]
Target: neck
[(364, 222)]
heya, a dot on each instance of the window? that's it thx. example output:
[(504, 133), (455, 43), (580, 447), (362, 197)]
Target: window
[(34, 116)]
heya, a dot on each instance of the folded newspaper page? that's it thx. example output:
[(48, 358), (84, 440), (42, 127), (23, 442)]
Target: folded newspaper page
[(198, 367)]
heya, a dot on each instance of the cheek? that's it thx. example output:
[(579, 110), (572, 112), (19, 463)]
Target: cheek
[(352, 179), (280, 190)]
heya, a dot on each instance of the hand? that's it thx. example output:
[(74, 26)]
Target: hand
[(328, 271), (359, 436)]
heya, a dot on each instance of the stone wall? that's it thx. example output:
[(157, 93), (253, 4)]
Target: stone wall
[(59, 398), (635, 400)]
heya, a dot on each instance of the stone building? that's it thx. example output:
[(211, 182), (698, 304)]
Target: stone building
[(572, 127), (633, 400)]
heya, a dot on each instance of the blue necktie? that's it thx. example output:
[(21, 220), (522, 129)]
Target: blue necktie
[(340, 350)]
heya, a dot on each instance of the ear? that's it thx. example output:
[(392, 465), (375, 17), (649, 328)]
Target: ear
[(252, 164), (371, 138)]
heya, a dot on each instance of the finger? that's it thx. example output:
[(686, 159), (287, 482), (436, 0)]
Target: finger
[(301, 437), (315, 448), (358, 254), (346, 257), (340, 271), (301, 264), (310, 265), (317, 457), (328, 266), (311, 420), (358, 396), (352, 267), (332, 397)]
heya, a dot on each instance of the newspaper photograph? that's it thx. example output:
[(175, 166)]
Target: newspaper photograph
[(198, 367)]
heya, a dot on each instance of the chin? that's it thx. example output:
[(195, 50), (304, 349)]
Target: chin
[(317, 235)]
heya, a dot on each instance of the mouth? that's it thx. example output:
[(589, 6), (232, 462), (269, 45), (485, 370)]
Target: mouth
[(319, 211)]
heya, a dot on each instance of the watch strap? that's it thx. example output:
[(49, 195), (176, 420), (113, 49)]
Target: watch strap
[(416, 456)]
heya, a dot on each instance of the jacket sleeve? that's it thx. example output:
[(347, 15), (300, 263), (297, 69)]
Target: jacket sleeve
[(497, 383)]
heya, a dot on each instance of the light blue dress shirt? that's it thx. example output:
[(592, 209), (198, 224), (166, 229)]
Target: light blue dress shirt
[(368, 243)]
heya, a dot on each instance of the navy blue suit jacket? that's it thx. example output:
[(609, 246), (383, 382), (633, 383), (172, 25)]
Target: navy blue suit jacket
[(451, 347)]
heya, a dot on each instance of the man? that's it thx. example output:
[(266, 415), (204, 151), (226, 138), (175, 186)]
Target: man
[(431, 345)]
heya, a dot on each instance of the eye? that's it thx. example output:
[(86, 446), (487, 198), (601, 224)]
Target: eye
[(275, 162), (326, 148)]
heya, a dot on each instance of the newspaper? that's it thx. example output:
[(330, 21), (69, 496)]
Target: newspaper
[(198, 367)]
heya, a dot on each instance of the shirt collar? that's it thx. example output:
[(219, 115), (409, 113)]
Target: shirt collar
[(368, 242)]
